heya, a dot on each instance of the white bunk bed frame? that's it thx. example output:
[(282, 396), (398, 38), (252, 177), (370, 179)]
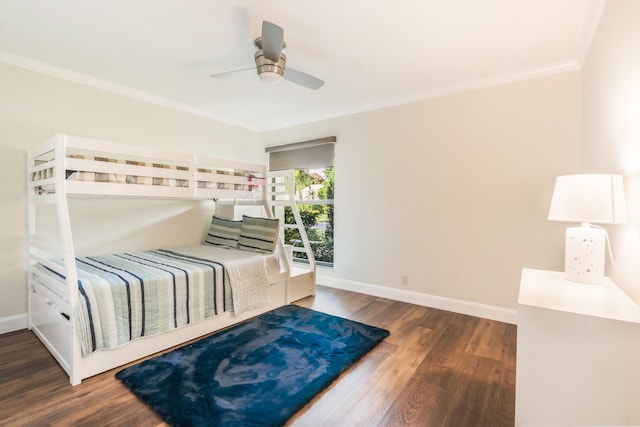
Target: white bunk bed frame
[(51, 304), (281, 192)]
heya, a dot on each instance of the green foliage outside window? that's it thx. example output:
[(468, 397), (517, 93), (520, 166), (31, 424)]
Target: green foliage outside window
[(316, 218)]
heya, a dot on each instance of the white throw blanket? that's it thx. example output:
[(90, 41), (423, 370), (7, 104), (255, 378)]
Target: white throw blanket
[(249, 284), (246, 270)]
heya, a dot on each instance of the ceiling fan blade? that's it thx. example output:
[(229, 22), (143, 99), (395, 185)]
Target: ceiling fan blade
[(233, 73), (303, 79), (272, 40)]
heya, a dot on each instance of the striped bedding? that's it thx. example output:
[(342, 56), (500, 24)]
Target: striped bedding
[(130, 295)]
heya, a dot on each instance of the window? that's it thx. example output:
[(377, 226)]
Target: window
[(314, 189), (312, 162)]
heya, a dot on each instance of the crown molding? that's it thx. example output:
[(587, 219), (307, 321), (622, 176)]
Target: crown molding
[(589, 31), (104, 85), (469, 86)]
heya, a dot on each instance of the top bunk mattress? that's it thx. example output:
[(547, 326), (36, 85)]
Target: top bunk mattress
[(88, 167), (149, 173)]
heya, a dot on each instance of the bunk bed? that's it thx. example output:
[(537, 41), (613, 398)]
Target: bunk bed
[(61, 308)]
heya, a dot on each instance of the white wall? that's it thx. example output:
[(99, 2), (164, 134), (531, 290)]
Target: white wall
[(34, 106), (611, 126), (454, 191)]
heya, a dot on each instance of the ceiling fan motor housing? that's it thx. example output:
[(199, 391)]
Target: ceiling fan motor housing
[(268, 70), (265, 65)]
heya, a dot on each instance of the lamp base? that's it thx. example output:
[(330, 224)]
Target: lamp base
[(584, 254)]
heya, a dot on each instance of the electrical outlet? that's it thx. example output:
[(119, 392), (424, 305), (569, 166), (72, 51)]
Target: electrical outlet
[(404, 279)]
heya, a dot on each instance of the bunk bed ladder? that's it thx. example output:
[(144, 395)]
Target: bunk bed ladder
[(281, 193)]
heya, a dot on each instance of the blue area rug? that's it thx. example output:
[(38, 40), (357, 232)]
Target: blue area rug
[(257, 373)]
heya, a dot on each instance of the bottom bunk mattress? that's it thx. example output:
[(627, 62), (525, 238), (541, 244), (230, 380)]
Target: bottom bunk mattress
[(130, 295)]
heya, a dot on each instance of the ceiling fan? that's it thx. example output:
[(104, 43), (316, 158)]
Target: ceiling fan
[(271, 60)]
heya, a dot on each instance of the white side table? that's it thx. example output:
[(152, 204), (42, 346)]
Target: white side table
[(578, 353)]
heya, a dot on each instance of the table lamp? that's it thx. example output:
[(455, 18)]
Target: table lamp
[(589, 198)]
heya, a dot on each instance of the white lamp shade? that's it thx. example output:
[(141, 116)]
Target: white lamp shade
[(595, 198)]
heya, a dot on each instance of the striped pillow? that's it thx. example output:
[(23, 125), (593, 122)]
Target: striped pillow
[(223, 232), (258, 234)]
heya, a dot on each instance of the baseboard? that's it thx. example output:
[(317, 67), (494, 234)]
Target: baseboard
[(13, 323), (19, 321), (458, 306)]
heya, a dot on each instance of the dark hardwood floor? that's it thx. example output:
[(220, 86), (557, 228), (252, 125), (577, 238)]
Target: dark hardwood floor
[(437, 368)]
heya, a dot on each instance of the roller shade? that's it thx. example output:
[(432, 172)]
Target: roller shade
[(313, 154)]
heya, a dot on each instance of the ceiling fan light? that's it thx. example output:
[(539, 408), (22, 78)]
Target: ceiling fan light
[(270, 71), (271, 77)]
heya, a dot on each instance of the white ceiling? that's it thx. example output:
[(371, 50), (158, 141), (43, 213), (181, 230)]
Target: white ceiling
[(370, 54)]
